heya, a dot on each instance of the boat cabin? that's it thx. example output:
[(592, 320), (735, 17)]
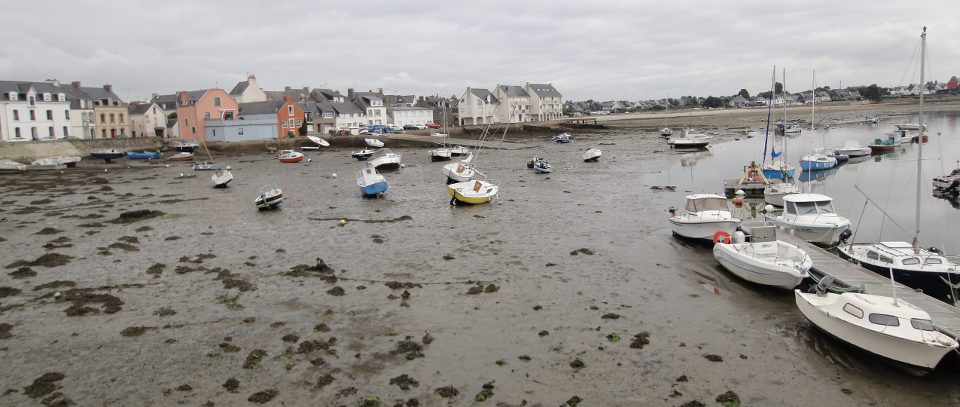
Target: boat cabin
[(871, 312), (705, 202), (903, 254), (808, 204)]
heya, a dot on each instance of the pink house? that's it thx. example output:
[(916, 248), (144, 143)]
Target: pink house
[(194, 107)]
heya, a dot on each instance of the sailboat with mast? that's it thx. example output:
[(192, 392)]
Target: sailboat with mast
[(221, 177), (665, 132), (817, 159), (476, 188), (778, 169), (922, 269), (442, 153)]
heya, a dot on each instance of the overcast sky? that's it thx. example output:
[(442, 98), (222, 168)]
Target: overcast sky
[(601, 50)]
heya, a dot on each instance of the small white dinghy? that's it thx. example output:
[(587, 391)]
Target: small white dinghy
[(221, 178), (592, 154), (764, 260), (893, 329), (372, 142), (386, 159), (318, 141)]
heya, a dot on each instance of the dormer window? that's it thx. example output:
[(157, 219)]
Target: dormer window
[(12, 96), (61, 97), (46, 97)]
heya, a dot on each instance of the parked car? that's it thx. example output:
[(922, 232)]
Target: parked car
[(410, 127), (433, 125)]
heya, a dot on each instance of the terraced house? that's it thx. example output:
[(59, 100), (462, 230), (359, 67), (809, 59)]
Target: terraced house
[(33, 111), (511, 104), (195, 107)]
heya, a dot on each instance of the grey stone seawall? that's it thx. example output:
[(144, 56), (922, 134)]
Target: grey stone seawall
[(32, 150)]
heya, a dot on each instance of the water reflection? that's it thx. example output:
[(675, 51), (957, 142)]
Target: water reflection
[(808, 176), (690, 159), (954, 200)]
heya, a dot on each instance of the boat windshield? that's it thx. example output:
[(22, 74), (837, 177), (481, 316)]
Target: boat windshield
[(812, 208), (707, 204)]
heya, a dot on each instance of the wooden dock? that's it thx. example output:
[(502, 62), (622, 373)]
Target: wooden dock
[(848, 274), (750, 188)]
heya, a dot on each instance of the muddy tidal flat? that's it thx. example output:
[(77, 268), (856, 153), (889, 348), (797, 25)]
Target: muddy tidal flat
[(138, 286)]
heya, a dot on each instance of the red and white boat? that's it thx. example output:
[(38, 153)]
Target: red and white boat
[(318, 141), (184, 156), (290, 156)]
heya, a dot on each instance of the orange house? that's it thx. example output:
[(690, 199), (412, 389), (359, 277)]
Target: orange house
[(289, 116), (195, 107)]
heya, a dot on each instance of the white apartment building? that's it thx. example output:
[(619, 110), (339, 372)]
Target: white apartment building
[(33, 111)]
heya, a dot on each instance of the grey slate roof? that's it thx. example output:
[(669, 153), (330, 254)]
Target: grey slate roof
[(103, 94), (74, 95), (514, 91), (24, 87), (140, 109), (346, 108), (328, 94), (241, 86), (544, 90), (268, 107), (483, 94), (172, 100)]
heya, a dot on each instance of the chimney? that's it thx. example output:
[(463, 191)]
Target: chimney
[(184, 98), (349, 92), (286, 89), (289, 99), (154, 96), (135, 103), (306, 89), (77, 84), (53, 81), (109, 88), (380, 91)]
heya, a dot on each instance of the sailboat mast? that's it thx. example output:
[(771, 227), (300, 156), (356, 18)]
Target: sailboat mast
[(923, 57), (784, 139), (773, 96)]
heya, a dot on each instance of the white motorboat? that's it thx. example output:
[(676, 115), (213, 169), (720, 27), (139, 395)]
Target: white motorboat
[(370, 181), (458, 151), (362, 155), (592, 154), (372, 142), (703, 216), (810, 217), (462, 171), (852, 148), (187, 146), (893, 329), (909, 126), (318, 141), (773, 194), (764, 260), (221, 178), (689, 139), (666, 132), (385, 159), (472, 192), (439, 134)]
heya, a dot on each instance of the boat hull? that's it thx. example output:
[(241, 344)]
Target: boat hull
[(221, 179), (374, 189), (702, 229), (817, 165), (475, 192), (778, 174), (854, 152), (143, 155), (932, 283), (291, 160), (815, 234), (921, 357), (268, 201), (786, 267)]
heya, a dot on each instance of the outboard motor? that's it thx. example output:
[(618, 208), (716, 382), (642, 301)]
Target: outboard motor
[(844, 236), (822, 286)]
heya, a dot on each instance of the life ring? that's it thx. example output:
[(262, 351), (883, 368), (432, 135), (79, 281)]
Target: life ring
[(725, 240)]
